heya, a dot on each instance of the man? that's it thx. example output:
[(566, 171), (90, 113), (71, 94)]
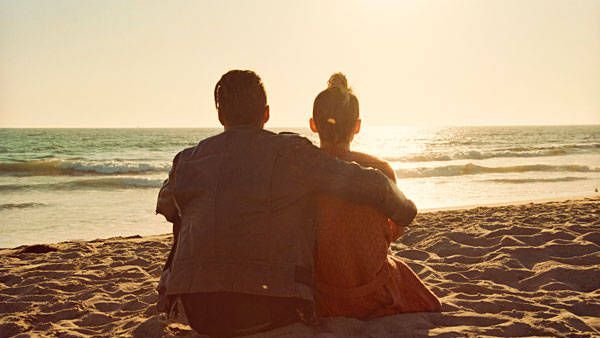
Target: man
[(242, 203)]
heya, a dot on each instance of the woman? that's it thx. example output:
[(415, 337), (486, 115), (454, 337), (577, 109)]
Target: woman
[(355, 277)]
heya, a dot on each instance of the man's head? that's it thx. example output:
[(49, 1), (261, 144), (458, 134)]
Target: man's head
[(241, 100)]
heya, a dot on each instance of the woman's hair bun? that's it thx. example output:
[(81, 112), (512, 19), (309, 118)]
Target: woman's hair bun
[(338, 80)]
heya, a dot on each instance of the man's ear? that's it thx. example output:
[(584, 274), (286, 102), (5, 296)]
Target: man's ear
[(357, 126), (313, 125), (266, 115)]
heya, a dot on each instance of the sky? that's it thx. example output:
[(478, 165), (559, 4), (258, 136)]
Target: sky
[(155, 63)]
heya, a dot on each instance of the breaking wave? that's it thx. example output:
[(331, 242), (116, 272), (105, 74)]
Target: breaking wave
[(76, 168), (502, 153), (472, 169), (536, 180), (90, 184), (9, 206)]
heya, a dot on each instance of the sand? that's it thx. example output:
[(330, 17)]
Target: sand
[(520, 270)]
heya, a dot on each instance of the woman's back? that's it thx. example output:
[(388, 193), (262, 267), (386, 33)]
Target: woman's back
[(355, 276), (352, 244)]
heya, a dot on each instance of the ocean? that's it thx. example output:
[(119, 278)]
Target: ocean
[(83, 184)]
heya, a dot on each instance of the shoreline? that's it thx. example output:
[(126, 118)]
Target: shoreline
[(421, 211), (576, 198)]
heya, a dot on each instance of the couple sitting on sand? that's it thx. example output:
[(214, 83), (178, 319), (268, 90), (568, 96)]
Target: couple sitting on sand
[(270, 230)]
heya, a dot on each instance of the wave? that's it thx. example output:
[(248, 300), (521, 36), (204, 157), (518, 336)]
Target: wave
[(472, 169), (536, 180), (8, 206), (76, 168), (564, 146), (114, 183), (100, 183), (566, 149)]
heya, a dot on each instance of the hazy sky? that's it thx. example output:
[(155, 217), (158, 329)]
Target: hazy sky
[(155, 63)]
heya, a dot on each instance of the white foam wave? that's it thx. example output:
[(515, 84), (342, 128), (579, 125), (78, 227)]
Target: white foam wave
[(8, 206), (74, 168), (89, 184), (536, 180), (473, 169), (500, 153)]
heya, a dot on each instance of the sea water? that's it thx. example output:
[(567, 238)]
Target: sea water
[(82, 184)]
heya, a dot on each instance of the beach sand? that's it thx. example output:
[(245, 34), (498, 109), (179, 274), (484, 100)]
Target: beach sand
[(517, 270)]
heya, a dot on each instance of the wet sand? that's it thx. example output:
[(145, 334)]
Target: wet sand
[(515, 270)]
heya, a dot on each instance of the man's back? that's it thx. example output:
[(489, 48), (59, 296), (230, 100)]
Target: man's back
[(247, 224)]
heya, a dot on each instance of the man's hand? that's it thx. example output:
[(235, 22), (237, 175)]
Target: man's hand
[(165, 304), (396, 231)]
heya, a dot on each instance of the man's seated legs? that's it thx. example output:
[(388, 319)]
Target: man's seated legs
[(231, 314)]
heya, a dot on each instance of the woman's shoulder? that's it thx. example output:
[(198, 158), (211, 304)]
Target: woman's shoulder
[(367, 160)]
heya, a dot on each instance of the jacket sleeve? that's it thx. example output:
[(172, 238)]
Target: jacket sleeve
[(325, 174), (166, 204)]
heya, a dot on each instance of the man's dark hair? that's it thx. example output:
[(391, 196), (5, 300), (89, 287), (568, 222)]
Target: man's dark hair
[(240, 98)]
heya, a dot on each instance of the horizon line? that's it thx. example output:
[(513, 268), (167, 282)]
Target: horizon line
[(303, 126)]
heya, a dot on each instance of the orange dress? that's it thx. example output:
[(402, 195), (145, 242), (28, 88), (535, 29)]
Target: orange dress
[(355, 276)]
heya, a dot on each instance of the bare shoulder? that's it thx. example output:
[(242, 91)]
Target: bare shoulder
[(367, 160)]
